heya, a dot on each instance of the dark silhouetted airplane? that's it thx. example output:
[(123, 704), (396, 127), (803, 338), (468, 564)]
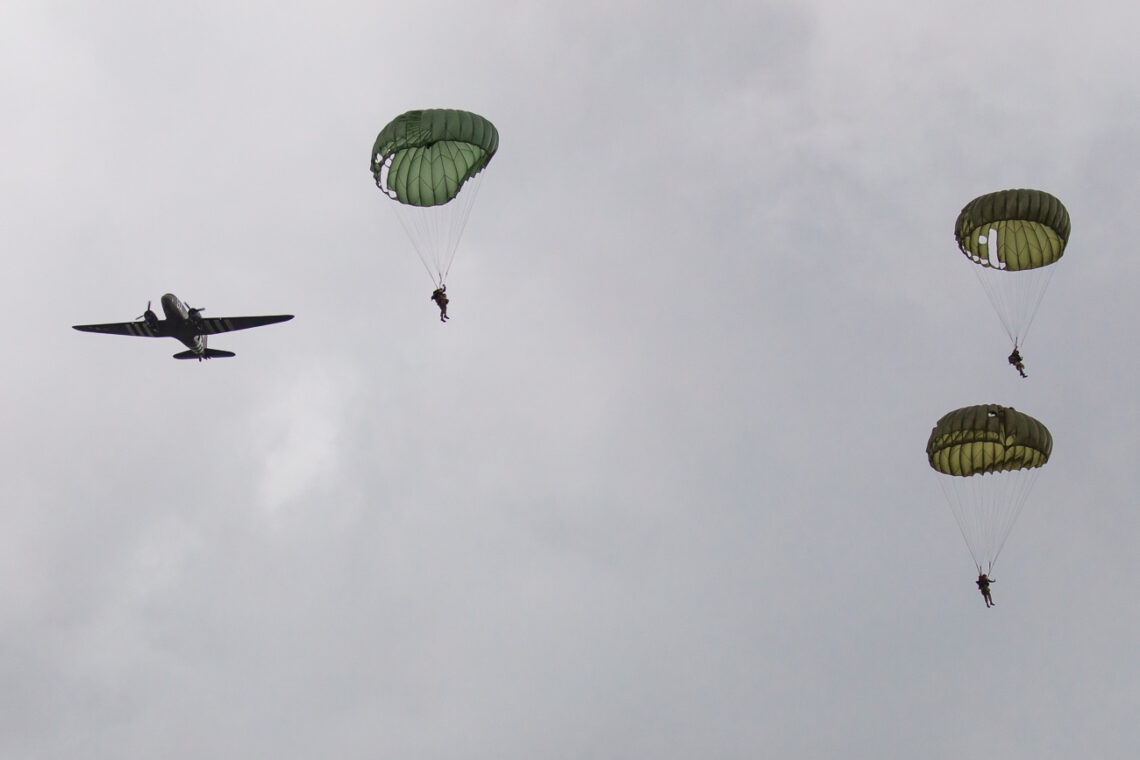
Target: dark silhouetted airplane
[(186, 324)]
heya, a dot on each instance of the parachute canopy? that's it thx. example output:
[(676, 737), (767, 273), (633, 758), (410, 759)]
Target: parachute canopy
[(1014, 236), (1031, 226), (976, 440), (988, 457), (423, 158)]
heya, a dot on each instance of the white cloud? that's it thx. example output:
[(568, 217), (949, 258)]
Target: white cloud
[(304, 430)]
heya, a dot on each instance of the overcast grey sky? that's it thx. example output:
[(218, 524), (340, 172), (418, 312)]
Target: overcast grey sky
[(658, 489)]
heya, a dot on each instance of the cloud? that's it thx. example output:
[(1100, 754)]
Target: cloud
[(303, 428)]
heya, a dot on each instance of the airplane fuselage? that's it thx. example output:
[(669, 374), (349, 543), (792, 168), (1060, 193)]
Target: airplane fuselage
[(183, 323)]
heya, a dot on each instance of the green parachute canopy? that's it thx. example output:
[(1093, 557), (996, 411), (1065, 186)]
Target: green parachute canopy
[(976, 440), (1031, 229), (424, 157), (1014, 237), (431, 163), (987, 457)]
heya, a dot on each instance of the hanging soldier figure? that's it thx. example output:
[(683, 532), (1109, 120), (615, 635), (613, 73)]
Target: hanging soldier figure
[(439, 295), (984, 586), (1016, 360)]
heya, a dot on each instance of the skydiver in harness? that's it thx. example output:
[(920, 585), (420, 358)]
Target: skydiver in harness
[(984, 586), (439, 295), (1016, 360)]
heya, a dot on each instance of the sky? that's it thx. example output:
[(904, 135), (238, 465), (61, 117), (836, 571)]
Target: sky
[(658, 489)]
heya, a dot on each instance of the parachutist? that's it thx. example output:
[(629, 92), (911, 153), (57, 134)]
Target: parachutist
[(1018, 363), (984, 586), (439, 295), (1009, 237)]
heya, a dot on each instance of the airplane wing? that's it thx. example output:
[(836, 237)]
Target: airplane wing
[(215, 325), (139, 329)]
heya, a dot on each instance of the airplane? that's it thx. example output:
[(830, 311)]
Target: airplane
[(184, 323)]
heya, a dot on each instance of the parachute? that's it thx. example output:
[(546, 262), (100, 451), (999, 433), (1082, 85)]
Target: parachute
[(430, 162), (1014, 237), (988, 458)]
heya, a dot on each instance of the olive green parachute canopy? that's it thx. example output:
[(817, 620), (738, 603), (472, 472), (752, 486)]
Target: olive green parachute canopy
[(1006, 448), (1032, 228), (976, 440), (423, 158)]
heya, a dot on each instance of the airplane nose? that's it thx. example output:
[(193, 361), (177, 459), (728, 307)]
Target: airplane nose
[(172, 307)]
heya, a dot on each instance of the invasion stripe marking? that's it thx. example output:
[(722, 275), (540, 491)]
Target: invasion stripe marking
[(220, 324)]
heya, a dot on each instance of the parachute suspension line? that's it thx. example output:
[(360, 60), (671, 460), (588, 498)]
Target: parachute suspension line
[(466, 197), (412, 228), (997, 299), (1018, 494), (417, 230), (1014, 294), (986, 507), (435, 230), (1042, 286), (967, 527)]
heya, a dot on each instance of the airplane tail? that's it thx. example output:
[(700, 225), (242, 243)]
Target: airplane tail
[(209, 353)]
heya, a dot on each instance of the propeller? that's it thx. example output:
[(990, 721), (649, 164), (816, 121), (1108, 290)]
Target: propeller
[(150, 317), (194, 316)]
